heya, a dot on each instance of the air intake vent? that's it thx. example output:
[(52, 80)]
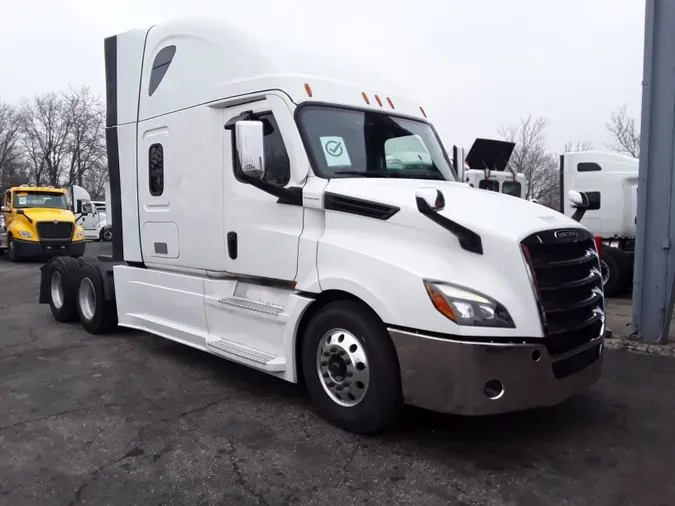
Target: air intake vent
[(352, 205)]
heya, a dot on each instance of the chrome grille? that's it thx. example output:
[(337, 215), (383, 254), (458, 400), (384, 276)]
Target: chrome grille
[(568, 281), (55, 229)]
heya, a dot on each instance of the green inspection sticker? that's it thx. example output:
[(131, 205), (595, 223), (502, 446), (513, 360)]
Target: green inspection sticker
[(335, 152)]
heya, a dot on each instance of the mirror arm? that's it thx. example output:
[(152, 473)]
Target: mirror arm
[(291, 196), (468, 239), (578, 214), (244, 116)]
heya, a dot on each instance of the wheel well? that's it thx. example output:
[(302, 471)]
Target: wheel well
[(321, 300)]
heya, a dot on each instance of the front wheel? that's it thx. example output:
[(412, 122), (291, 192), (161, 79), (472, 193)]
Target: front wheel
[(106, 234), (11, 250), (351, 368)]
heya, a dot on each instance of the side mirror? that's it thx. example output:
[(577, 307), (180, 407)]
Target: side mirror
[(250, 148), (431, 198), (578, 200)]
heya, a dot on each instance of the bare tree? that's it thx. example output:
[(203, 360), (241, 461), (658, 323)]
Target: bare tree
[(86, 140), (46, 125), (625, 132), (531, 158), (95, 178), (578, 146), (10, 154)]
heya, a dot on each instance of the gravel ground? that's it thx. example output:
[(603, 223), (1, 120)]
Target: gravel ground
[(131, 419)]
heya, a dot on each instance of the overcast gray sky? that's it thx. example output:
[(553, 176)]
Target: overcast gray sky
[(474, 64)]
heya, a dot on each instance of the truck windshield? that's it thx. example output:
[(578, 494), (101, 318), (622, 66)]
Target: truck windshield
[(512, 188), (50, 200), (355, 143)]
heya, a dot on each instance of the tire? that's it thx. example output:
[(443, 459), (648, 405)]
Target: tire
[(106, 234), (63, 274), (11, 250), (617, 271), (357, 336), (98, 316)]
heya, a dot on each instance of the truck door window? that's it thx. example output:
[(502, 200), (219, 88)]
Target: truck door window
[(513, 188), (488, 184), (277, 163), (156, 169)]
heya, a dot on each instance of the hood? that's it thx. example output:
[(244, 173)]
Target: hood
[(49, 214), (479, 210), (490, 153)]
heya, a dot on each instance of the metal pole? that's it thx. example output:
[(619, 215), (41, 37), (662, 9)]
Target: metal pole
[(654, 256)]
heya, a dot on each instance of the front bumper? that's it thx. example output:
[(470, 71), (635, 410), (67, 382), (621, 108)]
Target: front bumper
[(26, 249), (483, 378)]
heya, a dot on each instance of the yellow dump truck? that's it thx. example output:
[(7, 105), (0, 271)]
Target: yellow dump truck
[(39, 222)]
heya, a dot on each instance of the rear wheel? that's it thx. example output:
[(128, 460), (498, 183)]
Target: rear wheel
[(98, 315), (615, 266), (351, 369)]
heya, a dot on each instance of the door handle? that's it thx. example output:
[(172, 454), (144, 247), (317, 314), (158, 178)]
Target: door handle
[(232, 245)]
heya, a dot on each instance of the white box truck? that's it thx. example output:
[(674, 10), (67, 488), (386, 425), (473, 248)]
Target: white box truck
[(610, 180), (255, 217)]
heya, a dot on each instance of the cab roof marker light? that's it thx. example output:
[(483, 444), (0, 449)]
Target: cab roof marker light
[(422, 111), (379, 101), (308, 89), (391, 104), (365, 97)]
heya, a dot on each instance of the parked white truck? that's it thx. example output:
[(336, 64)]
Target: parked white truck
[(610, 181), (485, 166), (255, 217), (89, 216)]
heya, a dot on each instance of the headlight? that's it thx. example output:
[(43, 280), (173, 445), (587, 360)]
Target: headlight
[(79, 234), (26, 234), (466, 307)]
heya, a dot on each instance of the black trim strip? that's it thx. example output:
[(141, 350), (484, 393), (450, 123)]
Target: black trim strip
[(468, 239), (562, 184), (110, 48), (115, 192), (360, 207), (112, 147)]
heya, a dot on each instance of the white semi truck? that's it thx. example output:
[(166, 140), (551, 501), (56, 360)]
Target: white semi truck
[(610, 181), (485, 166), (256, 217), (89, 216)]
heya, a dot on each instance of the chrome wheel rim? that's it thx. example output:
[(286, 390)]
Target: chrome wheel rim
[(604, 270), (342, 366), (87, 298), (56, 288)]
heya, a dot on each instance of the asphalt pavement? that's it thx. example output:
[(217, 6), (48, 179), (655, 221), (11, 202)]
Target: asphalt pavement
[(131, 419)]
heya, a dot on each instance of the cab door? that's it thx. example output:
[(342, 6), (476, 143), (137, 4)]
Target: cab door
[(88, 220), (262, 235)]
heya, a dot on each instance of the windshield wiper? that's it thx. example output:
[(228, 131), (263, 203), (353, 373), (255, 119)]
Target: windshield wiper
[(362, 173)]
